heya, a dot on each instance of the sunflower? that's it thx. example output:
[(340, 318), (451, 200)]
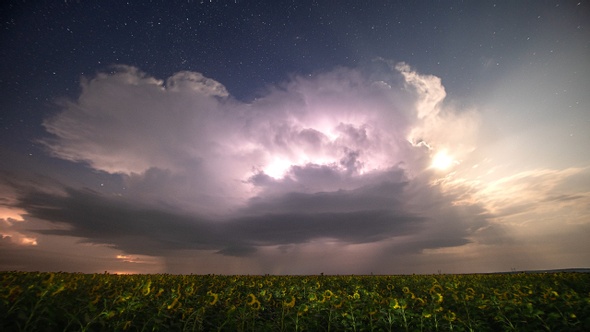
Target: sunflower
[(190, 289), (266, 296), (450, 316), (438, 298), (59, 290), (420, 301), (436, 288), (312, 297), (253, 302), (255, 305), (291, 303), (552, 295), (339, 304), (173, 304), (146, 288), (251, 299), (214, 297), (395, 304), (302, 309)]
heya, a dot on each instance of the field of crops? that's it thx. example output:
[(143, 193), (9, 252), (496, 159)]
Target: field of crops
[(106, 302)]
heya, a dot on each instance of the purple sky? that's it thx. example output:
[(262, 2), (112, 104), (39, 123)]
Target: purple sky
[(368, 166)]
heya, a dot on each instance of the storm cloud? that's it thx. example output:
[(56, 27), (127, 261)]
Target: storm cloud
[(340, 159), (330, 157)]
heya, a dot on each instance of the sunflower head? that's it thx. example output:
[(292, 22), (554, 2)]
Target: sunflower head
[(312, 297), (146, 289), (435, 289), (437, 297), (339, 304), (302, 309), (213, 297), (395, 304), (251, 299), (255, 305), (289, 304), (450, 316)]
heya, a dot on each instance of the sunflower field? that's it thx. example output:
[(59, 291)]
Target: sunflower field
[(480, 302)]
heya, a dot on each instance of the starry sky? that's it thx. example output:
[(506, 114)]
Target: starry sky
[(294, 137)]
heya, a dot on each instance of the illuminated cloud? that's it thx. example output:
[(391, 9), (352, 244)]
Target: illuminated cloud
[(11, 217), (187, 143), (330, 162), (321, 157)]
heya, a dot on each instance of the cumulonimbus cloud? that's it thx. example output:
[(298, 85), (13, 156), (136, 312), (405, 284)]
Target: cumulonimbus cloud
[(331, 156), (189, 127)]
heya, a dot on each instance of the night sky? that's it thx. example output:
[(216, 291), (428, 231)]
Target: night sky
[(294, 137)]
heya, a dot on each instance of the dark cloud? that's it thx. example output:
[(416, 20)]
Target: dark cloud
[(141, 230), (132, 228), (351, 227), (369, 214), (376, 196), (237, 250)]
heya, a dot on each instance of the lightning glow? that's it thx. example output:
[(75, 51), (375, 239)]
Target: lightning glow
[(442, 161), (277, 168)]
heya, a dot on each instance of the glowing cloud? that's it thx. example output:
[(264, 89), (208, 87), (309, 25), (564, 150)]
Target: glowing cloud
[(198, 146), (336, 160), (8, 218), (442, 160)]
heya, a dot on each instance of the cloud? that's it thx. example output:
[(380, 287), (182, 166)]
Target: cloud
[(533, 192), (12, 217), (195, 146), (363, 215), (127, 122), (339, 158)]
